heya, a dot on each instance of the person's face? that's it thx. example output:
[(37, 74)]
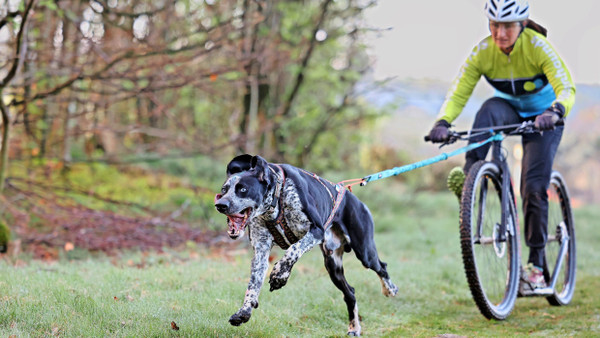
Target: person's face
[(505, 34)]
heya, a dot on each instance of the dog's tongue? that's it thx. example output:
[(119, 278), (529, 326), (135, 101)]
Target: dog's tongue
[(236, 223)]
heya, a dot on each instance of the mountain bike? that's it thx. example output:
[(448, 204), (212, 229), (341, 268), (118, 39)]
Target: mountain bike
[(490, 236)]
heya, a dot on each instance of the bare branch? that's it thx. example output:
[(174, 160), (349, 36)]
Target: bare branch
[(285, 108), (13, 69)]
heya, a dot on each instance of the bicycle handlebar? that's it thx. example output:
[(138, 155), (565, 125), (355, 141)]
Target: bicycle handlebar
[(510, 129)]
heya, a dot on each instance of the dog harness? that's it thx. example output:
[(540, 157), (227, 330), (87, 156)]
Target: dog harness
[(279, 229)]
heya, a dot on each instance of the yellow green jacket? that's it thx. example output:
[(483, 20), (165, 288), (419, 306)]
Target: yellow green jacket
[(532, 77)]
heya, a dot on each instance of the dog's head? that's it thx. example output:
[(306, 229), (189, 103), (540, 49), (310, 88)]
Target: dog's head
[(243, 193)]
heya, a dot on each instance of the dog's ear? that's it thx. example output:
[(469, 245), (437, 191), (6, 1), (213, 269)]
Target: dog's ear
[(238, 164), (261, 167)]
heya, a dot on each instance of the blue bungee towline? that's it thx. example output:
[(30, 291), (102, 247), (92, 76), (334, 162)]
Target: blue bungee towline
[(347, 184), (399, 170)]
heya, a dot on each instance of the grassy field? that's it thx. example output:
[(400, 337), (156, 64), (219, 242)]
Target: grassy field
[(141, 294)]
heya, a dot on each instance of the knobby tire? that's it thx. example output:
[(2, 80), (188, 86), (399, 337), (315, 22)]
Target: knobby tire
[(560, 218), (491, 267)]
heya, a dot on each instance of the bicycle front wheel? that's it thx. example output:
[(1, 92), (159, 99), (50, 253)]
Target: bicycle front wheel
[(491, 262), (561, 234)]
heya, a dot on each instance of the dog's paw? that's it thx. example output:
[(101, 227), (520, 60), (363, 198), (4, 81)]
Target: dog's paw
[(279, 276), (388, 288), (278, 279), (240, 317)]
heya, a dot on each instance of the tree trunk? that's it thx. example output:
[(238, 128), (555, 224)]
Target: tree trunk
[(5, 135), (12, 70)]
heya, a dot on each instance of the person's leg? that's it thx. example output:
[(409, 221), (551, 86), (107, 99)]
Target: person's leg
[(538, 155), (493, 112)]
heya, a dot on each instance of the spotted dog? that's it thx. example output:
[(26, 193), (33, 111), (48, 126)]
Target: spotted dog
[(279, 204)]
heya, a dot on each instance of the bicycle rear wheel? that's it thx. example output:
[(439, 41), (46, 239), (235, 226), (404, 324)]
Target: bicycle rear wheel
[(561, 229), (491, 265)]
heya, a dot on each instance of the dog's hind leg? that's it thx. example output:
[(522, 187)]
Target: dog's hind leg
[(388, 288), (370, 260), (366, 252), (358, 221), (333, 263)]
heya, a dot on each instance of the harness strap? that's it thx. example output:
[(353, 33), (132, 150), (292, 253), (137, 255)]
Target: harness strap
[(316, 177), (341, 191), (280, 221), (337, 201)]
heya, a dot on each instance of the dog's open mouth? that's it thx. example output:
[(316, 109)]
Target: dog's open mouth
[(237, 222)]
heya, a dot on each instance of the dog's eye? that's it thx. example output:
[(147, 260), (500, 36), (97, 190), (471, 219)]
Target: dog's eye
[(223, 190), (241, 189)]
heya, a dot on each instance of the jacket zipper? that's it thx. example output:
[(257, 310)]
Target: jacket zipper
[(512, 78)]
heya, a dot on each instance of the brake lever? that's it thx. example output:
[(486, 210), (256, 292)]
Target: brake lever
[(527, 127), (452, 138)]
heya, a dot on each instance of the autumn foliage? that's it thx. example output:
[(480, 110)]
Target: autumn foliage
[(131, 83)]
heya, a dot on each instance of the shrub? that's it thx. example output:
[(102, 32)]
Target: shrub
[(4, 237)]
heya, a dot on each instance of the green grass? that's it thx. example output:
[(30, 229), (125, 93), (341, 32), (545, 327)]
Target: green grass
[(417, 235)]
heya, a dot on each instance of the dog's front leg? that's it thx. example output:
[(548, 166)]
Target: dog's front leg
[(261, 242), (283, 268)]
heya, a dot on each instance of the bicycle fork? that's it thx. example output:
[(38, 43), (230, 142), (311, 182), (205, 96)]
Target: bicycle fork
[(505, 195)]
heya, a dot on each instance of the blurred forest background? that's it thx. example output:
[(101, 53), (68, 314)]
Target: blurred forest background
[(118, 117)]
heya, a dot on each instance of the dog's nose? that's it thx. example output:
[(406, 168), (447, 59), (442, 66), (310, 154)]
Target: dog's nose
[(222, 207)]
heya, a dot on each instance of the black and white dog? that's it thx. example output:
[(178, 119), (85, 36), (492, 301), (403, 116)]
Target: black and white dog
[(290, 207)]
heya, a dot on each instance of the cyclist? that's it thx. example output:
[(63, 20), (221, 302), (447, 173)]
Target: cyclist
[(532, 83)]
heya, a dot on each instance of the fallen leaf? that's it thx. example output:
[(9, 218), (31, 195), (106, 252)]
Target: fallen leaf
[(174, 326)]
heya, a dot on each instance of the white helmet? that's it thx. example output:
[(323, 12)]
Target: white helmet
[(507, 10)]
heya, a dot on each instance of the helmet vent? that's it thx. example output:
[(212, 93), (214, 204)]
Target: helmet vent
[(523, 11), (509, 6)]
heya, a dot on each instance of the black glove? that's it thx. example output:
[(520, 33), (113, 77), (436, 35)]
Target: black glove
[(439, 132), (549, 117)]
